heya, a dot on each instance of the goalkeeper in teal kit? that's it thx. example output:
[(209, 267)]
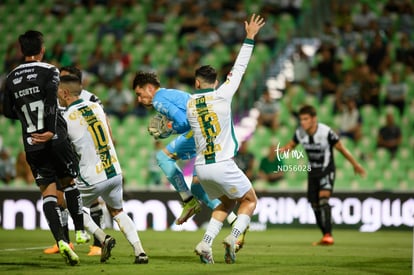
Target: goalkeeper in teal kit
[(171, 104)]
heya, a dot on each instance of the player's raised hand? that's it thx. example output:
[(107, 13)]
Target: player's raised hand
[(253, 26)]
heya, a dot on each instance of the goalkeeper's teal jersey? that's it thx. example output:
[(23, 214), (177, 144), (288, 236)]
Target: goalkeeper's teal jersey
[(173, 104), (209, 114)]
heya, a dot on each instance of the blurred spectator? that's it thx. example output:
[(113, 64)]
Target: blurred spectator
[(404, 52), (385, 22), (406, 17), (389, 136), (13, 56), (268, 111), (329, 36), (171, 70), (396, 92), (370, 87), (192, 18), (186, 70), (362, 19), (95, 59), (350, 121), (119, 100), (57, 56), (154, 171), (301, 65), (268, 168), (392, 6), (146, 65), (59, 8), (330, 71), (117, 25), (205, 38), (229, 28), (268, 35), (245, 160), (350, 39), (23, 171), (7, 166), (378, 58), (70, 48), (313, 84), (347, 90), (110, 69), (343, 15)]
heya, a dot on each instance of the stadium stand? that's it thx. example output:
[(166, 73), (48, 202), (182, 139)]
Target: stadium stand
[(132, 141)]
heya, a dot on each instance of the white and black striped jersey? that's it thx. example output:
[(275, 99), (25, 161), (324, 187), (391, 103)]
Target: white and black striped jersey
[(319, 148), (31, 96)]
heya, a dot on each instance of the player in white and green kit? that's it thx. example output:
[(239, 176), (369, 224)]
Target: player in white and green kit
[(210, 118), (100, 171)]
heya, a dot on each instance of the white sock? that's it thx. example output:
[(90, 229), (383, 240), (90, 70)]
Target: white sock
[(213, 228), (240, 225), (128, 228), (92, 227), (231, 218)]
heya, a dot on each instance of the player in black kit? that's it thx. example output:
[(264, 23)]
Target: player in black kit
[(31, 97), (318, 141)]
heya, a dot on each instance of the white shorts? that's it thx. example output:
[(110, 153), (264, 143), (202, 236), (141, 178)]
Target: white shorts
[(223, 178), (109, 190)]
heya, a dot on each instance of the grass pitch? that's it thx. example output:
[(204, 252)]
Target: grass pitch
[(274, 251)]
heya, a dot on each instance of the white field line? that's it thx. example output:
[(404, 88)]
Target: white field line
[(22, 248)]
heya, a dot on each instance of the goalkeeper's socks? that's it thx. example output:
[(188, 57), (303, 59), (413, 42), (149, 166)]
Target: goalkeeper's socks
[(173, 174), (198, 191)]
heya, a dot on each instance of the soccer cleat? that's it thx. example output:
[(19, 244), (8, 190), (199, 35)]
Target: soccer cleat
[(141, 259), (205, 252), (67, 253), (82, 237), (55, 249), (190, 208), (327, 239), (240, 240), (230, 249), (107, 246), (95, 251)]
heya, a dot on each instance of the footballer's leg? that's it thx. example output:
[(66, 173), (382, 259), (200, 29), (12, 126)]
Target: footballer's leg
[(96, 215), (127, 227), (168, 165), (201, 195)]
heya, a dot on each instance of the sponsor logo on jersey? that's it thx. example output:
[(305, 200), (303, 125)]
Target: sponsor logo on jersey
[(31, 77), (17, 80)]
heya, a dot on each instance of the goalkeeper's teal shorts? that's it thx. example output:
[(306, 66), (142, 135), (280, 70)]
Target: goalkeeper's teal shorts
[(183, 146)]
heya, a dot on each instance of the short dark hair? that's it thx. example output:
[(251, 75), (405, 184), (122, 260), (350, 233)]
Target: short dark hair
[(31, 43), (206, 73), (308, 110), (73, 81), (142, 78), (73, 71)]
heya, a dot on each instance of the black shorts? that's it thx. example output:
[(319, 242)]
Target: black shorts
[(316, 184), (53, 163)]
